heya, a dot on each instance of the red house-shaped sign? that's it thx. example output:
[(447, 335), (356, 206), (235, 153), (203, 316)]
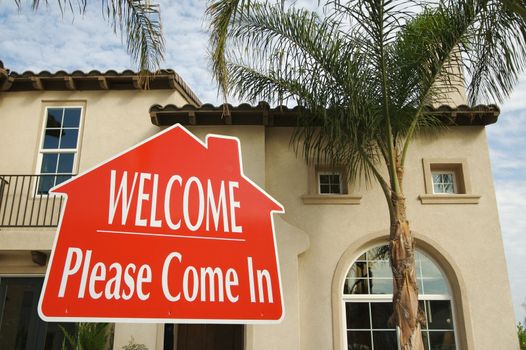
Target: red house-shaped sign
[(169, 230)]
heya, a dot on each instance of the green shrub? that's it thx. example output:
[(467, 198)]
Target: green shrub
[(87, 336), (521, 331)]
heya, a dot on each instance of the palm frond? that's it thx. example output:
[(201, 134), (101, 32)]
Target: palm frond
[(297, 56), (139, 21), (494, 52), (222, 13)]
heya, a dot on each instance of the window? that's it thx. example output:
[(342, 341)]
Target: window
[(20, 326), (59, 146), (367, 294), (330, 182), (328, 185), (447, 181), (444, 182)]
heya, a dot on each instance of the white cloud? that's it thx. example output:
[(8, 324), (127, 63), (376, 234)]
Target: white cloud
[(511, 197)]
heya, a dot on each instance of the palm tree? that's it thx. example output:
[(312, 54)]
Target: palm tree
[(364, 71), (138, 20)]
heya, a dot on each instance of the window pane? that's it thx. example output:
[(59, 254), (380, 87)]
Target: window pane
[(54, 118), (357, 315), (49, 163), (381, 286), (324, 179), (45, 183), (359, 340), (385, 340), (69, 138), (439, 314), (16, 318), (380, 269), (442, 340), (71, 117), (65, 163), (379, 253), (358, 269), (62, 178), (434, 286), (335, 188), (437, 188), (325, 188), (356, 286), (447, 178), (380, 314), (335, 179), (51, 138), (429, 269)]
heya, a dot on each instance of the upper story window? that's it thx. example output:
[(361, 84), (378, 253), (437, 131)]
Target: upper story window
[(367, 302), (444, 182), (447, 181), (330, 182), (59, 146)]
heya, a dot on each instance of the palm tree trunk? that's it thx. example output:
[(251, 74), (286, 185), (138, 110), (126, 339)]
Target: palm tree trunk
[(405, 290)]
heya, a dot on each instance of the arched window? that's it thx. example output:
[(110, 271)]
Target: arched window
[(367, 298)]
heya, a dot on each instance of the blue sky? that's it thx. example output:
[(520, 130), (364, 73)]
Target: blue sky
[(48, 40)]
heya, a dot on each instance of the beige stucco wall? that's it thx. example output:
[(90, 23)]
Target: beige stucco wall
[(466, 236), (316, 243)]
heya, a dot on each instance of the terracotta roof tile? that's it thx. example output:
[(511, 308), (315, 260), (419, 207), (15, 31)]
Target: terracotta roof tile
[(263, 114)]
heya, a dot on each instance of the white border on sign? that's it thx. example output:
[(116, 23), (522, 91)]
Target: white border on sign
[(163, 320)]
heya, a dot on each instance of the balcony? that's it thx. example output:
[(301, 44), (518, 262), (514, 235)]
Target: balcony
[(26, 202)]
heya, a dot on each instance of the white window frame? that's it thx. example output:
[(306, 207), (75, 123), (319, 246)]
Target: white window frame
[(41, 151), (445, 172)]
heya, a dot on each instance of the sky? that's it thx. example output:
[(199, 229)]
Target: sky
[(49, 40)]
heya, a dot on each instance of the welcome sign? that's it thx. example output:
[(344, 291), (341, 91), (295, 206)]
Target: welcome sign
[(169, 230)]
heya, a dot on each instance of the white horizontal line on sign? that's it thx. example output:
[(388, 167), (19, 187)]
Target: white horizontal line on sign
[(171, 236)]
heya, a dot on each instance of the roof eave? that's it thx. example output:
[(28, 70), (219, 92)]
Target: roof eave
[(283, 116)]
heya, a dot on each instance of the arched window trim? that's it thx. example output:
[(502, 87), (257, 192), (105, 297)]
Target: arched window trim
[(364, 298)]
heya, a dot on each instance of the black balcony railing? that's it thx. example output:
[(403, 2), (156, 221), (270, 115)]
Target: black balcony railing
[(25, 201)]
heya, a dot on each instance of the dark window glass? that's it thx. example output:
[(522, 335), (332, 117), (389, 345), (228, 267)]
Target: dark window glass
[(62, 178), (357, 315), (442, 340), (69, 138), (71, 117), (51, 138), (380, 314), (359, 340), (65, 163), (45, 183), (49, 163), (439, 314), (54, 118), (385, 340), (20, 326), (329, 183)]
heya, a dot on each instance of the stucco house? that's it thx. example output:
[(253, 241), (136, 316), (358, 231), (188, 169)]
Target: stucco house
[(330, 240)]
